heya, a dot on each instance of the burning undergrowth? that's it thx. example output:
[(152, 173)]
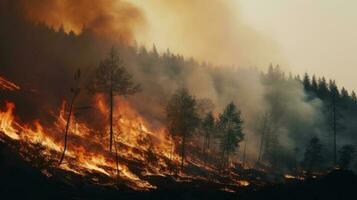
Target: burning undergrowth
[(142, 153)]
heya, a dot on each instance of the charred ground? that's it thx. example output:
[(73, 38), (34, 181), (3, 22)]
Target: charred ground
[(20, 180)]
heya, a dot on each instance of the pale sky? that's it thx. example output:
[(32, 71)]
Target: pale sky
[(315, 36)]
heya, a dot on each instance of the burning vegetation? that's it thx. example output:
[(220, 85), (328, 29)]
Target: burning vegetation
[(137, 118), (135, 150)]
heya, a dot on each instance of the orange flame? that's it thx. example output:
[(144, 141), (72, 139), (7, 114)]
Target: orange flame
[(87, 152)]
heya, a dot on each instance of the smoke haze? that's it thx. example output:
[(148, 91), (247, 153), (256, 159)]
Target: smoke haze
[(206, 30), (107, 18)]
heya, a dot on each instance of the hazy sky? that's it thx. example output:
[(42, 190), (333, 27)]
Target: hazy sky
[(315, 36)]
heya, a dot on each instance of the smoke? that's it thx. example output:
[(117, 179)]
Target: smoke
[(43, 60), (107, 18), (208, 30)]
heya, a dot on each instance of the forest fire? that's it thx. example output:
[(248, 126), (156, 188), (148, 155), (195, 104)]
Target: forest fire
[(139, 151), (134, 142)]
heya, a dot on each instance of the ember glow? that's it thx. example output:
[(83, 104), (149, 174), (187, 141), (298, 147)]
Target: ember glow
[(7, 85)]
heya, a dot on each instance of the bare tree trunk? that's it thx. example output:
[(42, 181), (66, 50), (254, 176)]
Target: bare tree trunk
[(116, 158), (334, 131), (262, 139), (111, 113), (172, 152), (244, 154), (296, 160), (204, 144), (209, 141), (183, 150), (261, 148), (66, 130)]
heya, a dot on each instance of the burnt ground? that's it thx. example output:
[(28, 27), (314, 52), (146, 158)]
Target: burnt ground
[(19, 180)]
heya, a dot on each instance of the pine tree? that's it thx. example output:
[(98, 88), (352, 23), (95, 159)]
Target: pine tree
[(313, 155), (112, 78), (344, 94), (208, 129), (306, 82), (334, 112), (322, 89), (314, 85), (346, 156), (231, 133), (182, 118), (353, 97)]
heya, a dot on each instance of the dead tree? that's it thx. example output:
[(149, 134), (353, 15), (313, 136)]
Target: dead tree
[(75, 92)]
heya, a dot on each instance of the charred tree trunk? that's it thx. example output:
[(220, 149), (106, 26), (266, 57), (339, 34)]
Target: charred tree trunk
[(334, 129), (263, 138), (183, 151), (244, 154), (204, 144), (172, 150), (111, 112), (116, 158), (209, 142), (67, 127), (261, 147)]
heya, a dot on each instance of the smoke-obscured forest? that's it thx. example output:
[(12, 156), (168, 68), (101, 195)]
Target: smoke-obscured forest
[(282, 113)]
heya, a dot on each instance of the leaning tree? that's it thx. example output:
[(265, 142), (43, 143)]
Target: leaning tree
[(75, 92)]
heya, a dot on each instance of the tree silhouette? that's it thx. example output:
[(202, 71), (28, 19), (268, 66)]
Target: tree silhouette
[(353, 97), (75, 92), (264, 129), (208, 127), (335, 116), (112, 78), (231, 133), (346, 156), (313, 155), (306, 82), (182, 118), (322, 88)]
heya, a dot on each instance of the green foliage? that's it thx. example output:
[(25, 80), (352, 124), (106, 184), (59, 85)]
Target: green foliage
[(230, 126), (182, 118), (208, 124), (181, 115), (208, 129), (111, 75)]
